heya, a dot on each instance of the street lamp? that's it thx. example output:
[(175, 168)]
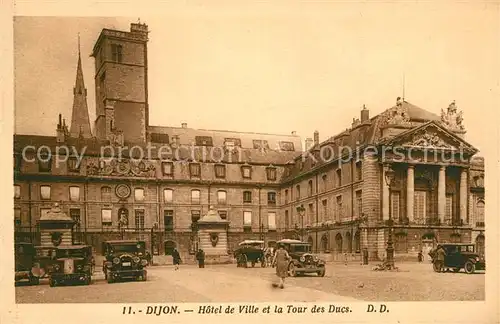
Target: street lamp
[(301, 210), (389, 178)]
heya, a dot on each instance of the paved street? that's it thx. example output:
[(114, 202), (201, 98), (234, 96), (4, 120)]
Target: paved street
[(226, 283)]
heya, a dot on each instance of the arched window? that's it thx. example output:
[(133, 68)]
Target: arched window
[(338, 243), (480, 213)]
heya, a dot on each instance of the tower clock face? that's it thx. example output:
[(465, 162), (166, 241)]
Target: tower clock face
[(122, 191)]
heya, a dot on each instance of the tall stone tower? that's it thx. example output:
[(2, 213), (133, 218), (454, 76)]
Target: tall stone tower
[(121, 81), (80, 121)]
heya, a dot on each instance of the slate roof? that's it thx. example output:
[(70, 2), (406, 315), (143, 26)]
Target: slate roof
[(245, 154)]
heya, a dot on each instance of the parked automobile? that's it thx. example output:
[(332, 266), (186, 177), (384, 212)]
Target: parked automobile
[(124, 259), (250, 251), (303, 261), (459, 256), (25, 263), (72, 264)]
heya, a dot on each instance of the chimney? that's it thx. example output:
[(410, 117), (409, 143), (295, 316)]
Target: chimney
[(294, 133), (399, 102), (184, 125), (365, 115), (355, 122), (60, 134), (309, 143), (316, 138)]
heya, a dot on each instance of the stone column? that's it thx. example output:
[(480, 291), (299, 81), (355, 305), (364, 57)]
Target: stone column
[(410, 189), (463, 195), (385, 196), (442, 194)]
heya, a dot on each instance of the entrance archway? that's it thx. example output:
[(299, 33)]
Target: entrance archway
[(338, 243), (325, 246), (169, 247), (348, 238), (357, 242), (480, 244)]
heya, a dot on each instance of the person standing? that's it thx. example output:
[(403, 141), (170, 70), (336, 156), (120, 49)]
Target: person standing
[(281, 258), (177, 258), (200, 256), (440, 254)]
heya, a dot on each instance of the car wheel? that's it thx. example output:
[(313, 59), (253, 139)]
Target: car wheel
[(263, 264), (436, 267), (253, 264), (321, 272), (456, 269), (52, 282), (110, 279), (291, 270), (469, 267)]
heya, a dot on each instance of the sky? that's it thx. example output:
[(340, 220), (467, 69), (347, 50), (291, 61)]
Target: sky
[(276, 68)]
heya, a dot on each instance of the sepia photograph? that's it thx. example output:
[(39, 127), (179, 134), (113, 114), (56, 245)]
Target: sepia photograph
[(313, 153)]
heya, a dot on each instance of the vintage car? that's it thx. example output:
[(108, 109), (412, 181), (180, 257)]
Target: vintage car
[(72, 264), (124, 259), (303, 261), (458, 256), (250, 251), (25, 263)]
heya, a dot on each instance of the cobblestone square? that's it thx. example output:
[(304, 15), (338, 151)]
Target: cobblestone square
[(227, 283)]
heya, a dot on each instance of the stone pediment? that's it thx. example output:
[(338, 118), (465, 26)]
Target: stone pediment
[(432, 136)]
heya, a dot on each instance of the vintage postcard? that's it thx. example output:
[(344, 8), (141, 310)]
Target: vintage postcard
[(251, 161)]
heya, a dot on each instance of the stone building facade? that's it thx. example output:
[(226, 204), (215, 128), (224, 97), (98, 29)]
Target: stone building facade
[(133, 180)]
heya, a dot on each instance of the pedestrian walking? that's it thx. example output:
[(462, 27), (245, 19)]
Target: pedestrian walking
[(281, 258), (177, 258), (439, 263), (345, 258), (420, 256), (200, 256)]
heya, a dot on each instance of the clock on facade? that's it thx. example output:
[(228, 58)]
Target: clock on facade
[(122, 191)]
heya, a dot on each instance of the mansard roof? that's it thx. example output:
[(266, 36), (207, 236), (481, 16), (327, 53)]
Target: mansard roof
[(94, 146), (188, 136)]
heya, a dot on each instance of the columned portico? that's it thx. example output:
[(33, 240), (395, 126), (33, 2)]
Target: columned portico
[(442, 194), (463, 195), (410, 191)]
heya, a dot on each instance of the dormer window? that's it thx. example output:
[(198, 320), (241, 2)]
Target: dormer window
[(231, 143), (203, 141), (287, 146), (73, 165), (260, 145), (246, 172), (168, 168), (271, 173), (45, 163), (195, 169), (220, 171)]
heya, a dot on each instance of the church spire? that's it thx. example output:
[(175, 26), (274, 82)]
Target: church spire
[(80, 121)]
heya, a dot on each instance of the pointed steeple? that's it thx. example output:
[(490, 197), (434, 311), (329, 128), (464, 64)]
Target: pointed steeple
[(80, 121)]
